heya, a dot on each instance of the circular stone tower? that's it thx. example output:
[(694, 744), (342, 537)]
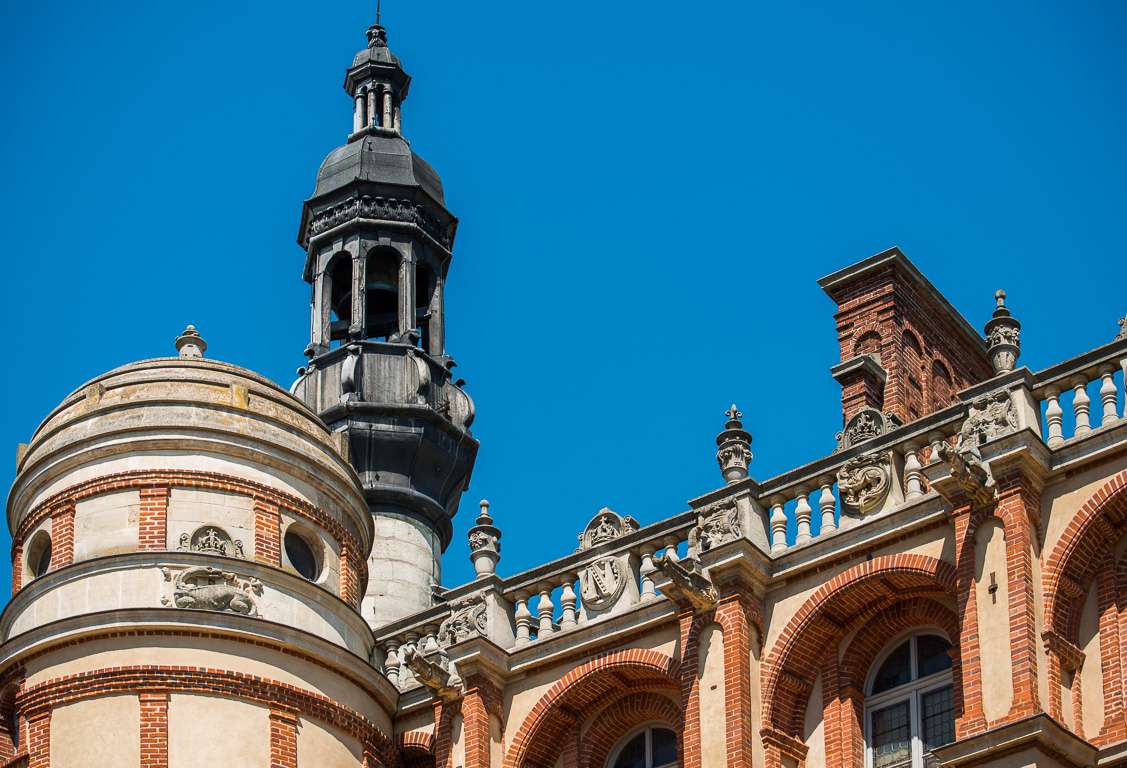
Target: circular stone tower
[(378, 239), (189, 552)]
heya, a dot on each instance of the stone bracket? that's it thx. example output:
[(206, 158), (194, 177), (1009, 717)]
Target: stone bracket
[(686, 584)]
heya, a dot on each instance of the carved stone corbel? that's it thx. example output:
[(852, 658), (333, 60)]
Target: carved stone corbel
[(972, 474), (432, 675), (687, 584)]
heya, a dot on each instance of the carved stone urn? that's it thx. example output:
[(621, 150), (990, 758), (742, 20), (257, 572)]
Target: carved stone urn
[(734, 455), (1003, 334), (485, 543)]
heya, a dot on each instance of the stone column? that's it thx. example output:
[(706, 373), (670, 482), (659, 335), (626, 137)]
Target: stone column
[(407, 319), (357, 328), (372, 97), (322, 311), (360, 113), (386, 121), (398, 119), (437, 320)]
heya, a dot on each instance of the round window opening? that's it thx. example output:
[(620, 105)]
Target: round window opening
[(44, 563), (301, 556)]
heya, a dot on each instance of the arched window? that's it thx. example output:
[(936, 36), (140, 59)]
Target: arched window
[(654, 746), (910, 709)]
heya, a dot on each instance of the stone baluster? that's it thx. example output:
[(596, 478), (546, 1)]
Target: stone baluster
[(523, 618), (430, 640), (545, 609), (391, 663), (1080, 404), (358, 117), (373, 109), (1108, 394), (410, 640), (935, 440), (827, 503), (1054, 417), (645, 573), (671, 543), (568, 601), (802, 513), (778, 524), (913, 476)]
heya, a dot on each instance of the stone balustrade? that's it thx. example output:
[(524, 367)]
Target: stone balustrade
[(879, 468)]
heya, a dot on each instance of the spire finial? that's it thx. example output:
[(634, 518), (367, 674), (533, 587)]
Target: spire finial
[(377, 12)]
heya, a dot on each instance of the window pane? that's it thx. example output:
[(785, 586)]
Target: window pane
[(664, 747), (633, 755), (895, 670), (937, 721), (301, 555), (892, 737), (932, 655)]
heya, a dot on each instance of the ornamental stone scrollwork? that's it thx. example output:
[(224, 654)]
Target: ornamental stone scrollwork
[(211, 540), (715, 526), (213, 589), (1003, 335), (469, 618), (1122, 329), (734, 454), (431, 674), (865, 480), (605, 526), (972, 474), (989, 416), (865, 425), (601, 583), (382, 209), (687, 582)]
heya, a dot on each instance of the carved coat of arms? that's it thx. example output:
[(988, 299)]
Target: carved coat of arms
[(601, 582)]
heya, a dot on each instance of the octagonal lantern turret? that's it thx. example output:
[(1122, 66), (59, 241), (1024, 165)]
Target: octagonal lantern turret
[(378, 239)]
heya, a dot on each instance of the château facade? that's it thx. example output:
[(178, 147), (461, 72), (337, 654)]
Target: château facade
[(209, 569)]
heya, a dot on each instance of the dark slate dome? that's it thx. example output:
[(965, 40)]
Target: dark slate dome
[(378, 159)]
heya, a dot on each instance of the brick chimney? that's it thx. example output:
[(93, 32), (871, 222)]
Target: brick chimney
[(904, 349)]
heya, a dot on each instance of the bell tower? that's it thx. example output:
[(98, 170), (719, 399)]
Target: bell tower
[(378, 240)]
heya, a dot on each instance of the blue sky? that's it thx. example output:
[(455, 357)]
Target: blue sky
[(647, 194)]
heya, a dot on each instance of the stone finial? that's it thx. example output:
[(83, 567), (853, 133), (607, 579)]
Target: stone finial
[(734, 455), (377, 36), (485, 543), (190, 343), (1122, 329), (1003, 334)]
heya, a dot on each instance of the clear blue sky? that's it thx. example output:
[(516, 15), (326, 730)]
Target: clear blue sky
[(647, 193)]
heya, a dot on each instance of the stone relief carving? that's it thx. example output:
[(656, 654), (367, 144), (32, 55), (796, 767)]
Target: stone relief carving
[(213, 589), (381, 208), (601, 583), (865, 425), (211, 540), (605, 526), (469, 618), (431, 674), (1122, 329), (715, 526), (989, 417), (687, 582), (972, 474), (865, 480)]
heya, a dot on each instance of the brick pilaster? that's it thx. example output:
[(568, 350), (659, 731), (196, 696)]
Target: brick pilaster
[(62, 535), (973, 720), (39, 738), (349, 581), (1114, 727), (690, 755), (154, 729), (732, 616), (283, 739), (267, 532), (1019, 501), (154, 518), (17, 567), (481, 697)]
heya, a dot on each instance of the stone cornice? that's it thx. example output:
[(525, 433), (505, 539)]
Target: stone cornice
[(1038, 732)]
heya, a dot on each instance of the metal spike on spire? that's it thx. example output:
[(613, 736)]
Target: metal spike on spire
[(377, 11)]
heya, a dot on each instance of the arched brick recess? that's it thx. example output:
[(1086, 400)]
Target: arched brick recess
[(416, 749), (618, 719), (828, 614), (843, 683), (1083, 556), (541, 736)]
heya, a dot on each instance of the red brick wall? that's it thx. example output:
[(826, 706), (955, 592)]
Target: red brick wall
[(154, 729), (62, 535), (887, 312)]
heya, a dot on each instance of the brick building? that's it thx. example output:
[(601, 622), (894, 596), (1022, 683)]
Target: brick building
[(210, 569)]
